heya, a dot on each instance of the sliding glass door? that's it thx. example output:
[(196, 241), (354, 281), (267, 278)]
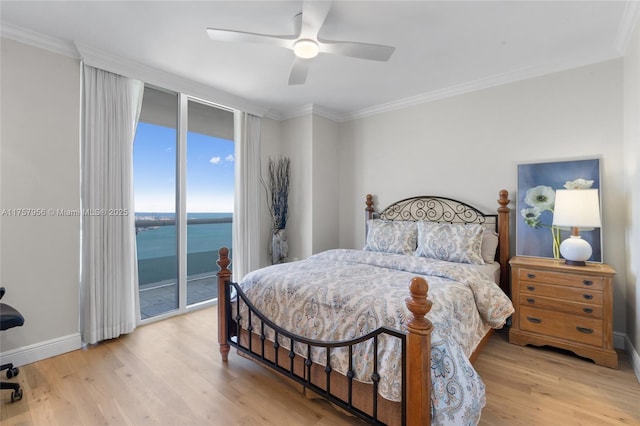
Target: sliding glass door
[(209, 195), (154, 165), (183, 186)]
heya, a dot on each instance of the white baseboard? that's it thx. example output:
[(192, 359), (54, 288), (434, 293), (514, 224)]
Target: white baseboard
[(634, 357), (42, 350)]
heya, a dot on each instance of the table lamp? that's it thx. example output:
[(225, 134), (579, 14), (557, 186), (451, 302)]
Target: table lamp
[(576, 208)]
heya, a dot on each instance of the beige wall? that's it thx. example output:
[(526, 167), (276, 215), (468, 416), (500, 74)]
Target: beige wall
[(631, 71), (326, 185), (297, 144), (311, 142), (468, 147), (40, 169)]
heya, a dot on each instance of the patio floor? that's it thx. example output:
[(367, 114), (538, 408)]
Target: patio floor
[(161, 297)]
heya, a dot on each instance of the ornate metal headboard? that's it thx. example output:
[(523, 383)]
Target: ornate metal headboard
[(443, 209), (437, 209)]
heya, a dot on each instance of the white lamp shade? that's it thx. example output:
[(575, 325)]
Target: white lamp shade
[(578, 208)]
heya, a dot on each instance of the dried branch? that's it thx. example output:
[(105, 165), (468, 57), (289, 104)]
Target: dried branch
[(278, 192)]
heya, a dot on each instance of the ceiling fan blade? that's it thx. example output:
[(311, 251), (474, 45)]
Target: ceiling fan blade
[(373, 52), (314, 14), (299, 69), (245, 37)]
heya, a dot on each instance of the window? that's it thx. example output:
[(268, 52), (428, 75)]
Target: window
[(183, 186)]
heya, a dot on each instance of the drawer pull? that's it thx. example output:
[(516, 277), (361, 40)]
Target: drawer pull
[(588, 296), (531, 300), (588, 310), (531, 288), (534, 320), (584, 330), (531, 276), (587, 282)]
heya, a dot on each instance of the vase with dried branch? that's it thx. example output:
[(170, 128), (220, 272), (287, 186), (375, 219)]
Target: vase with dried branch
[(278, 201)]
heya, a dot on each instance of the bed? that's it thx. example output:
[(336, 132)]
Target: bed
[(387, 333)]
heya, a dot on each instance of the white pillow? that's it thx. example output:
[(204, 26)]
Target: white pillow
[(489, 245), (452, 242), (391, 236)]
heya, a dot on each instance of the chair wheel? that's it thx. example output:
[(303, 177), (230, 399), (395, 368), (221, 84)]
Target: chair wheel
[(16, 395), (12, 372)]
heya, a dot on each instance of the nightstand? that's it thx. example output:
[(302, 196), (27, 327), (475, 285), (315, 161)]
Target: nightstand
[(568, 307)]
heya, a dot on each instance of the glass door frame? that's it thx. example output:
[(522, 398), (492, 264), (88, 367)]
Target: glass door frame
[(182, 127)]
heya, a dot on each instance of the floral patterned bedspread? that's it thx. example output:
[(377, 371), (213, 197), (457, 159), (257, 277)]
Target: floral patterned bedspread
[(342, 294)]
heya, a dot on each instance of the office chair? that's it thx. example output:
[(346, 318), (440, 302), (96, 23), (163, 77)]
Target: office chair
[(9, 318)]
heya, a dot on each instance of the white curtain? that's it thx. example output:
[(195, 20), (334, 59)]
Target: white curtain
[(109, 278), (246, 214)]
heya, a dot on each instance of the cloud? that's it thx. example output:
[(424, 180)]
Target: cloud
[(218, 160)]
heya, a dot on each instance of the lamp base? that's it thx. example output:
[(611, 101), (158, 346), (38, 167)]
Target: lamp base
[(575, 250)]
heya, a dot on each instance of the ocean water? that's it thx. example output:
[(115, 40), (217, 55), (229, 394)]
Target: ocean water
[(157, 246)]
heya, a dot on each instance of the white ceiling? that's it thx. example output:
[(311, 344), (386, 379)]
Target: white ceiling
[(442, 47)]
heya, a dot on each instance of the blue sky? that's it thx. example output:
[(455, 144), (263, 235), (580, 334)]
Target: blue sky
[(210, 171)]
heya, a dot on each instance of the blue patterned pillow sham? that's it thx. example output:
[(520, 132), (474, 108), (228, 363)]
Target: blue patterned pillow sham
[(391, 236), (452, 242)]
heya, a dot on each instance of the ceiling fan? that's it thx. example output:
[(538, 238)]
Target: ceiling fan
[(305, 42)]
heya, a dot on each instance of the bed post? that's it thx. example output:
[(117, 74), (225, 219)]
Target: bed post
[(368, 212), (224, 275), (418, 404), (368, 215), (503, 240)]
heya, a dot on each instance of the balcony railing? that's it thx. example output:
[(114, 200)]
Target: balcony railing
[(158, 288), (148, 223)]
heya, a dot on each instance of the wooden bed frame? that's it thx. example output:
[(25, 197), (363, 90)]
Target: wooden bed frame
[(415, 408)]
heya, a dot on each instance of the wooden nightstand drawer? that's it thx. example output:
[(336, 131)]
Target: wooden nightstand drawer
[(566, 293), (559, 278), (541, 302), (559, 324)]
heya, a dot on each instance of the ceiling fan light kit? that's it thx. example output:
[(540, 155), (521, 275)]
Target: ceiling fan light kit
[(305, 43), (306, 49)]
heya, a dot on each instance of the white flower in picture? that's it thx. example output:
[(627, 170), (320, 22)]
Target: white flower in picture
[(531, 217), (541, 197), (578, 184)]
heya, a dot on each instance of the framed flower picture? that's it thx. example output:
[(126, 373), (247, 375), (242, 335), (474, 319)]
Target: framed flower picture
[(537, 184)]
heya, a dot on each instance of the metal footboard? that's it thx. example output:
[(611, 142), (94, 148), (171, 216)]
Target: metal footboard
[(288, 368)]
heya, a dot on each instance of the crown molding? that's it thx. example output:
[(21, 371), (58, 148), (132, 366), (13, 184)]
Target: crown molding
[(448, 92), (38, 40), (479, 84), (156, 77), (327, 113), (627, 25), (129, 68), (170, 81)]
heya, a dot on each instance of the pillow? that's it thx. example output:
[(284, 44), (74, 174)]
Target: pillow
[(452, 242), (391, 236), (489, 245)]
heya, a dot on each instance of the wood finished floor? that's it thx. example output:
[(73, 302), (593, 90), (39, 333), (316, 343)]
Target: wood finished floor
[(170, 373)]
